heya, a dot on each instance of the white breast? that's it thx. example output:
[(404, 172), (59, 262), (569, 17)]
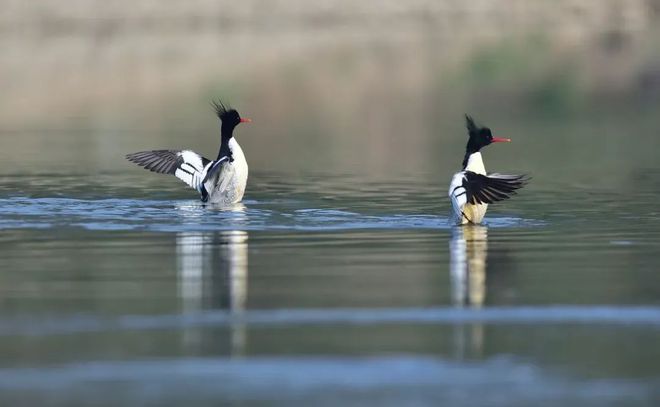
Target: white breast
[(476, 164), (229, 186), (240, 164)]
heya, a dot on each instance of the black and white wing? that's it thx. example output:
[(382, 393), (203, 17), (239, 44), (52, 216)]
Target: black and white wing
[(491, 188), (186, 165), (470, 187)]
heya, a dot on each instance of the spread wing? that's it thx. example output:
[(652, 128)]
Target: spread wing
[(491, 188), (186, 165)]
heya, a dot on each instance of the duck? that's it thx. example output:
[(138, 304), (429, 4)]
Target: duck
[(221, 181), (472, 189)]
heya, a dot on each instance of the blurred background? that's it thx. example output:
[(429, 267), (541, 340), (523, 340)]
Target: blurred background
[(350, 86)]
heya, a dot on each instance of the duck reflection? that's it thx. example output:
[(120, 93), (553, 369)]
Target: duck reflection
[(212, 269), (468, 253), (468, 249)]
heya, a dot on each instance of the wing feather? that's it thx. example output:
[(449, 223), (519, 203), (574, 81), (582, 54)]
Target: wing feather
[(491, 188), (186, 165)]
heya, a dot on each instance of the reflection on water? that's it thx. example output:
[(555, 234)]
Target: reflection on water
[(468, 249), (468, 255), (212, 273), (212, 270)]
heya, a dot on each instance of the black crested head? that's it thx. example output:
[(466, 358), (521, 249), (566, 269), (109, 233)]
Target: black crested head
[(479, 137), (229, 117)]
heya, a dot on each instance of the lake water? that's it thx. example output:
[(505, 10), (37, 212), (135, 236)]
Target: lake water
[(323, 290)]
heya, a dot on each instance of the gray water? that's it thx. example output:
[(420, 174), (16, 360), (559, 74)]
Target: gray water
[(325, 290)]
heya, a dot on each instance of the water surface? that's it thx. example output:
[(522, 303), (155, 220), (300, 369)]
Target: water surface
[(318, 290)]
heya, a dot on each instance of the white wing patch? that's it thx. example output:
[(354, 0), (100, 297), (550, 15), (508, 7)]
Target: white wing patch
[(192, 158), (192, 170)]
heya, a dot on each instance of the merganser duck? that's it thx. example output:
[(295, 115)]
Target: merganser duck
[(472, 189), (221, 181)]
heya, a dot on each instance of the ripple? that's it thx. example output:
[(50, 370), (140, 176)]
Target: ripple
[(178, 216), (631, 316), (387, 380)]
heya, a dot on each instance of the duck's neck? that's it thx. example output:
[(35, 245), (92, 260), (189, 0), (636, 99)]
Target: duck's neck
[(473, 162), (226, 133)]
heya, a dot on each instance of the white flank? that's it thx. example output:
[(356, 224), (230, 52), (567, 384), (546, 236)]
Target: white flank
[(457, 194)]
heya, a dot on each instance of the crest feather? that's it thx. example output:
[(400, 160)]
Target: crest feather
[(471, 126), (220, 108)]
